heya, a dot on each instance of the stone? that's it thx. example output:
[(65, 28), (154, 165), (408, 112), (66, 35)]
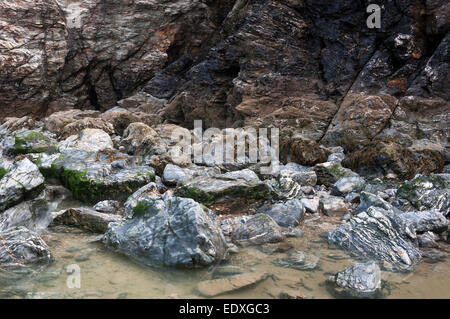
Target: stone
[(329, 173), (361, 280), (348, 185), (284, 187), (225, 271), (424, 193), (285, 214), (368, 200), (298, 260), (258, 229), (89, 140), (33, 214), (216, 287), (311, 204), (23, 180), (22, 253), (85, 218), (174, 175), (380, 235), (30, 141), (108, 207), (428, 240), (332, 205), (97, 176), (233, 186), (169, 231), (424, 221)]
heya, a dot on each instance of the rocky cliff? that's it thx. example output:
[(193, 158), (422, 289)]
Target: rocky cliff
[(311, 67)]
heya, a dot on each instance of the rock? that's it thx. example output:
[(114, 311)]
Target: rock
[(228, 225), (108, 207), (285, 214), (329, 173), (11, 124), (169, 231), (362, 280), (302, 151), (89, 140), (85, 218), (348, 185), (428, 240), (424, 221), (233, 186), (424, 193), (216, 287), (22, 181), (28, 141), (311, 204), (174, 175), (368, 200), (433, 255), (301, 175), (332, 206), (270, 249), (22, 253), (97, 176), (33, 214), (77, 126), (384, 157), (257, 230), (298, 260), (149, 190), (284, 187), (381, 235)]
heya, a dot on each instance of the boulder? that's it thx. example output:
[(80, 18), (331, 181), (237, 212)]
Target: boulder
[(33, 214), (22, 181), (380, 235), (257, 230), (285, 214), (329, 173), (232, 186), (169, 231), (332, 205), (85, 218), (348, 185), (311, 204), (96, 176), (424, 193), (30, 141), (361, 280), (22, 253), (174, 174), (424, 221), (108, 207), (89, 140)]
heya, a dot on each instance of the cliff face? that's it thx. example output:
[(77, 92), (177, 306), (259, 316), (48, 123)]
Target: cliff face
[(310, 66)]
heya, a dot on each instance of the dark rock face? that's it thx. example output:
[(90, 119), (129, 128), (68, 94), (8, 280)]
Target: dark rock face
[(380, 235), (169, 231)]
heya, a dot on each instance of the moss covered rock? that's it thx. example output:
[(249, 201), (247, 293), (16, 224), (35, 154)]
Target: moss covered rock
[(27, 141)]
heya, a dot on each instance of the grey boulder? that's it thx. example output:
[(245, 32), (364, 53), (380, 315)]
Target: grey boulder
[(257, 230), (285, 214), (380, 235), (169, 231)]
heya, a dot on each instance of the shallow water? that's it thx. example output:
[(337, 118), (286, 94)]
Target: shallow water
[(106, 274)]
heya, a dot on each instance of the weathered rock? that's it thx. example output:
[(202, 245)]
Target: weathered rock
[(149, 190), (257, 230), (329, 173), (169, 231), (311, 204), (174, 175), (368, 200), (302, 151), (424, 193), (284, 186), (285, 214), (298, 260), (332, 206), (22, 181), (300, 174), (233, 186), (347, 185), (85, 218), (22, 253), (362, 280), (424, 221), (27, 141), (216, 287), (428, 240), (96, 176), (33, 214), (77, 126), (380, 235), (89, 140), (108, 207)]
